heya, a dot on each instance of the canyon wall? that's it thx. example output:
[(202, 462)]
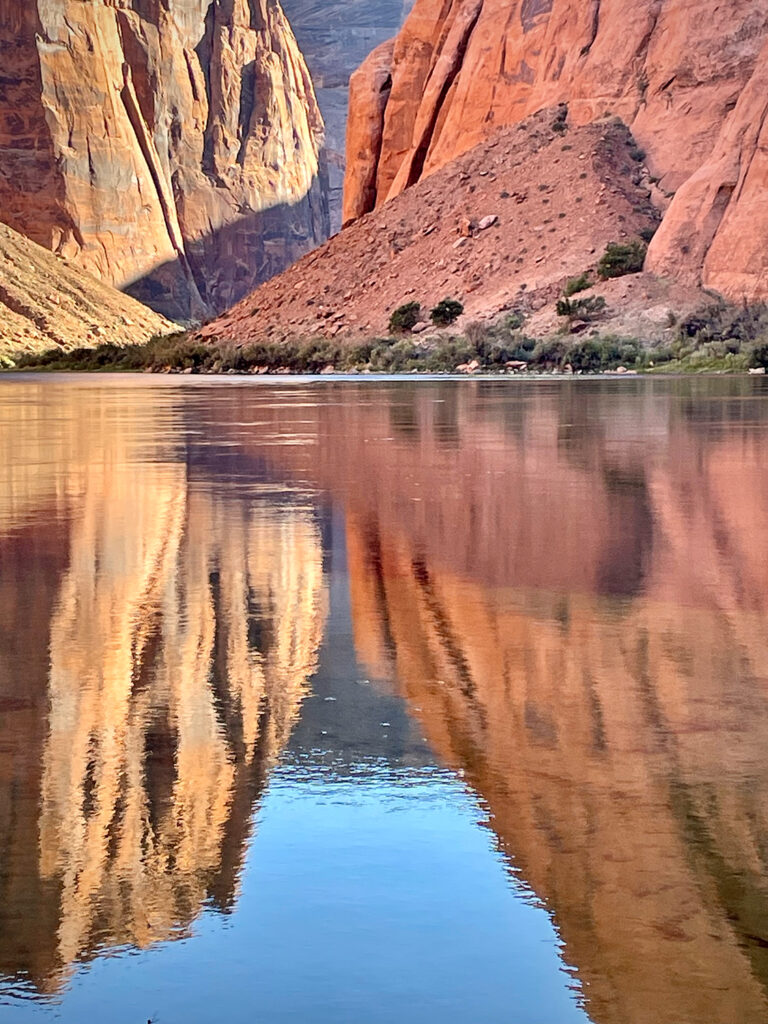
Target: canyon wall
[(687, 77), (170, 147), (335, 36)]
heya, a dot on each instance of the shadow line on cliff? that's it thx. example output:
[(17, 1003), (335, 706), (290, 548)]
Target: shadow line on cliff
[(231, 261)]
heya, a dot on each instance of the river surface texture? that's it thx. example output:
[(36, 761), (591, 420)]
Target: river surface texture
[(383, 702)]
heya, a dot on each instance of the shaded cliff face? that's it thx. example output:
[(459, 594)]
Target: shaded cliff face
[(335, 37), (673, 72), (171, 634), (170, 148)]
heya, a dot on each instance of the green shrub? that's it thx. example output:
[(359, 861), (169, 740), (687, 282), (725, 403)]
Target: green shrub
[(621, 258), (588, 308), (550, 353), (595, 355), (757, 353), (592, 355), (514, 321), (648, 232), (405, 317), (445, 312), (720, 322), (577, 284)]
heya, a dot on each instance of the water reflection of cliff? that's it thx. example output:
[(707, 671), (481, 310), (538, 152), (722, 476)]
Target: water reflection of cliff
[(569, 584), (576, 605), (166, 669)]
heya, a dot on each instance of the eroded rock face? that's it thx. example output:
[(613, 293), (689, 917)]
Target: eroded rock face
[(335, 36), (171, 147), (686, 76)]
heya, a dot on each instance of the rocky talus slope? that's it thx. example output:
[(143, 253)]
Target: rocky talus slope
[(501, 227), (687, 76), (47, 302), (172, 149)]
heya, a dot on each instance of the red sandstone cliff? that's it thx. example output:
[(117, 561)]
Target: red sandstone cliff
[(170, 149), (685, 75)]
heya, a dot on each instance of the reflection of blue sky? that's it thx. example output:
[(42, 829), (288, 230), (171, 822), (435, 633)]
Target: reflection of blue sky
[(367, 900)]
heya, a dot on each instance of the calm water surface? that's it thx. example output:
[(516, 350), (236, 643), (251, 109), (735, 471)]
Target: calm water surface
[(343, 702)]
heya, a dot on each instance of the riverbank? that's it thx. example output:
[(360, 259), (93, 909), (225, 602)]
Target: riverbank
[(722, 339)]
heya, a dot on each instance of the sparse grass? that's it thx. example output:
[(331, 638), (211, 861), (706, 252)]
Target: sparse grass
[(577, 284), (589, 308)]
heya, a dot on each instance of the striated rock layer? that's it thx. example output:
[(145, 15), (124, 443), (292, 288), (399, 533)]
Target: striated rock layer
[(171, 148), (685, 75)]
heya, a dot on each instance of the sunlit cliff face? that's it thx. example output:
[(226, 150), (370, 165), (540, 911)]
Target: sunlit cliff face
[(184, 630)]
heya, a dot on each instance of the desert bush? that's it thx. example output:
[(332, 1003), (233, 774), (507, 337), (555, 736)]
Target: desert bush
[(621, 258), (757, 352), (445, 312), (588, 308), (405, 317), (550, 353), (721, 322), (577, 284), (595, 355)]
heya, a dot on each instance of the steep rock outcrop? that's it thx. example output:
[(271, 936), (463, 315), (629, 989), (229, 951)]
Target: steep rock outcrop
[(171, 148), (335, 36), (46, 302), (716, 230), (673, 71)]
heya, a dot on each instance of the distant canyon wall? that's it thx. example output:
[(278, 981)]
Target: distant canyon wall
[(335, 36), (688, 77), (170, 147)]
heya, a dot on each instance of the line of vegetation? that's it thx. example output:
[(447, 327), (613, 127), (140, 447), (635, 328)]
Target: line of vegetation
[(719, 339)]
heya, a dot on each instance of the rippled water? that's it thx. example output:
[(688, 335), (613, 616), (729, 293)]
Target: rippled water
[(360, 702)]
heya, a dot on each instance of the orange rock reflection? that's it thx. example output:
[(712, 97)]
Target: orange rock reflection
[(591, 654), (184, 631)]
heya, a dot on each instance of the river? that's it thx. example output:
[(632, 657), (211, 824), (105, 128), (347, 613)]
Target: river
[(383, 701)]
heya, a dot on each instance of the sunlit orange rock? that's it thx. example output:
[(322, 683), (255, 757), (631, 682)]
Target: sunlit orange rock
[(672, 72), (169, 149)]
